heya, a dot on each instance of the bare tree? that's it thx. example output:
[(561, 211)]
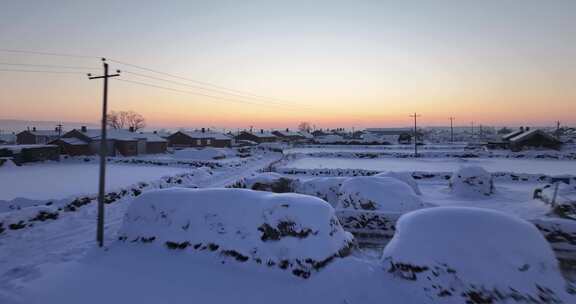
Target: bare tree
[(305, 127), (126, 120)]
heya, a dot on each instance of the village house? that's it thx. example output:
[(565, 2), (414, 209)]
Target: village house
[(29, 153), (535, 138), (393, 135), (257, 137), (37, 137), (199, 138), (524, 138), (85, 141), (287, 135), (155, 143)]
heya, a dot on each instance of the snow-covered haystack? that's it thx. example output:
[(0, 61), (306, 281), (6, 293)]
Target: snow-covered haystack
[(200, 154), (404, 177), (474, 256), (383, 194), (294, 232), (470, 181), (326, 188), (270, 181)]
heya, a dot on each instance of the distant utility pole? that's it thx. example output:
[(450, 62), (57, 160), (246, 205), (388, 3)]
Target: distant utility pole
[(103, 152), (415, 134), (59, 128), (451, 129), (558, 129), (472, 136)]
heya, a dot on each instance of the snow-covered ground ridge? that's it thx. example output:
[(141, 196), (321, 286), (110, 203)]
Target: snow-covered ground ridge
[(418, 175), (440, 154), (40, 211)]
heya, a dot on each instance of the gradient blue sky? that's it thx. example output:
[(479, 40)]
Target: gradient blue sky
[(337, 63)]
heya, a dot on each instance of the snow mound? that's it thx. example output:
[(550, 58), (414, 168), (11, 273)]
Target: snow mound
[(293, 232), (200, 154), (270, 181), (472, 181), (7, 164), (326, 188), (405, 177), (480, 255), (379, 194)]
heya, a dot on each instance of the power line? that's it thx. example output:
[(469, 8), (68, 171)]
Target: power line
[(190, 92), (206, 89), (46, 53), (49, 66), (194, 81), (37, 71)]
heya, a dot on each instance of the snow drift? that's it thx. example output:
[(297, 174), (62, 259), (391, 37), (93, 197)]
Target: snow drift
[(326, 188), (379, 194), (405, 177), (470, 181), (478, 255), (293, 232)]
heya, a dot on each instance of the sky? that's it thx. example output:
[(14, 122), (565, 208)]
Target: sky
[(273, 64)]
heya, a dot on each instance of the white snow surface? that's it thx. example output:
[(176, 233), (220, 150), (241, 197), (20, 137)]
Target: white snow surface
[(384, 194), (405, 177), (53, 180), (472, 181), (474, 249), (531, 166), (326, 188), (255, 224)]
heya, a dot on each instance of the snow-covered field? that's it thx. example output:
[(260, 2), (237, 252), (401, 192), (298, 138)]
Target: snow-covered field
[(60, 180), (532, 166), (229, 245)]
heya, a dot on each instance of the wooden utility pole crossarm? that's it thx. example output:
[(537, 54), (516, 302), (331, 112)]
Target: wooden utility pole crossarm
[(103, 153)]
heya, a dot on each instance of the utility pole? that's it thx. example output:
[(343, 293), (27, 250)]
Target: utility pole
[(558, 129), (103, 152), (451, 129), (472, 136), (59, 127), (415, 134)]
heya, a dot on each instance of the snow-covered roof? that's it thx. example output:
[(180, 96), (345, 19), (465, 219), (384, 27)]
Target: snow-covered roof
[(113, 134), (529, 133), (18, 148), (261, 134), (389, 130), (289, 133), (7, 138), (44, 132), (207, 134), (507, 136), (152, 137), (73, 141)]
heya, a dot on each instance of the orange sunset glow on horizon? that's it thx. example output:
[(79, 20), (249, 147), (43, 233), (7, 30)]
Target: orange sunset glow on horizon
[(273, 65)]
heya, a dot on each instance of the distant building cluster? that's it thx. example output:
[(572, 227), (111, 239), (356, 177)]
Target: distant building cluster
[(34, 145)]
